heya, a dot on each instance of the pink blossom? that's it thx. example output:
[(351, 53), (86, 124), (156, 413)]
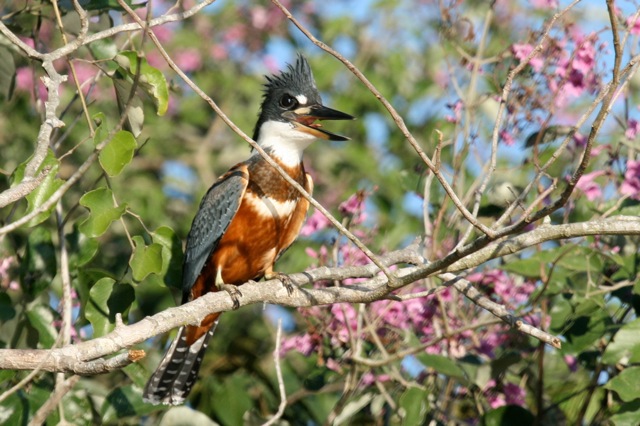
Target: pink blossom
[(572, 363), (5, 278), (353, 205), (392, 313), (303, 344), (188, 60), (163, 33), (503, 286), (316, 222), (584, 60), (631, 184), (369, 379), (633, 126), (521, 51), (588, 185), (633, 23), (507, 137), (334, 365), (25, 80), (457, 112), (514, 394), (544, 4), (218, 52), (85, 72)]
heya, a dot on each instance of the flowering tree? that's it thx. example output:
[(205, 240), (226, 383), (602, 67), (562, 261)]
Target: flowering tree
[(472, 255)]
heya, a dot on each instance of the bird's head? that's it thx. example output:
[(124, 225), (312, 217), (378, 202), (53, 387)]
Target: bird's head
[(291, 110)]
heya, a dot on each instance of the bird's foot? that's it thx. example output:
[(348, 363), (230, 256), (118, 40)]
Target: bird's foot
[(233, 292), (284, 279)]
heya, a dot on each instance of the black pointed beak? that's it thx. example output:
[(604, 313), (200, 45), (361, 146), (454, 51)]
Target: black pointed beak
[(304, 118)]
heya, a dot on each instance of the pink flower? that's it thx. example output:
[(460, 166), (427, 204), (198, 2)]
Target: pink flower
[(633, 126), (188, 60), (631, 184), (316, 222), (572, 363), (544, 4), (633, 23), (521, 51), (507, 137), (303, 344), (369, 379), (457, 112), (5, 277), (584, 60), (334, 365), (588, 185), (514, 394), (353, 205)]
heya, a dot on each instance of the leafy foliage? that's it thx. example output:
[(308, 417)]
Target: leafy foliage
[(140, 148)]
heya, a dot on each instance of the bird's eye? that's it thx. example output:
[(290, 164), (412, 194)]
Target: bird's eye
[(288, 101)]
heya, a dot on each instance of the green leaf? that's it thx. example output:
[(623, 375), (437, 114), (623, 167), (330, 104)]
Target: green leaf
[(526, 267), (117, 153), (125, 401), (106, 299), (171, 255), (7, 73), (146, 259), (508, 415), (151, 80), (442, 365), (103, 212), (38, 267), (96, 310), (102, 131), (626, 384), (414, 405), (100, 5), (6, 308), (625, 345), (41, 318), (43, 192), (135, 111), (628, 414), (81, 247)]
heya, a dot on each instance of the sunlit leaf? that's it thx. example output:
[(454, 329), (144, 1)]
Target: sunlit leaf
[(625, 345), (626, 384), (102, 212), (414, 405), (106, 299), (117, 153), (151, 80), (442, 365), (146, 259)]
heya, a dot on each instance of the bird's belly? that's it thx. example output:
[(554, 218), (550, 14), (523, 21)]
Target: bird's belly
[(252, 242)]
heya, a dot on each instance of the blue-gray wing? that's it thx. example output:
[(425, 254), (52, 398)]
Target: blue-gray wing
[(218, 207)]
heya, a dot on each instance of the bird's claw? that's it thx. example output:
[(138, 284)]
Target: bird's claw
[(234, 293), (286, 282)]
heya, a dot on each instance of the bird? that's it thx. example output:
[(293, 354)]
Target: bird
[(247, 219)]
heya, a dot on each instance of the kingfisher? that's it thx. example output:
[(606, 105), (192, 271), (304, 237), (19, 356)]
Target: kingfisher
[(247, 219)]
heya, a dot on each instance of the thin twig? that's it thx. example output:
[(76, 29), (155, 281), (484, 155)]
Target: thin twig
[(281, 387)]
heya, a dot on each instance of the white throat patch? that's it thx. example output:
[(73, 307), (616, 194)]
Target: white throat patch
[(285, 142)]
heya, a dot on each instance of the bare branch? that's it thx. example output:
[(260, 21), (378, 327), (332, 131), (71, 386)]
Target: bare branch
[(283, 392)]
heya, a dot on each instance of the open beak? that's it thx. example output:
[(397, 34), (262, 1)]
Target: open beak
[(305, 118)]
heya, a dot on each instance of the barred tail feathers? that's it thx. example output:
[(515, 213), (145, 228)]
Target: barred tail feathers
[(177, 372)]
